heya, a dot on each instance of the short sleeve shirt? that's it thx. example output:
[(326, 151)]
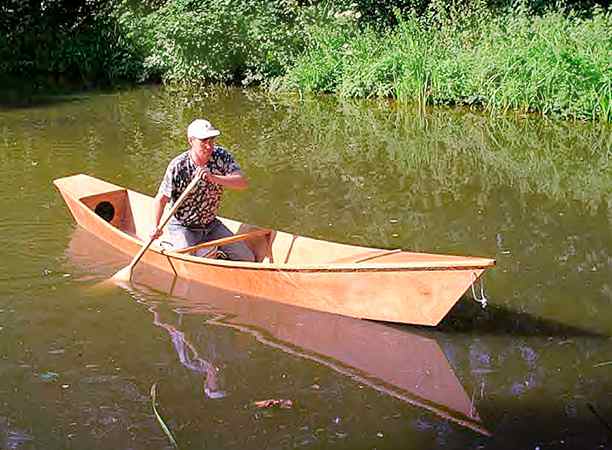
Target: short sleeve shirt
[(200, 207)]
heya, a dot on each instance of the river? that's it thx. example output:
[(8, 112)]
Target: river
[(532, 370)]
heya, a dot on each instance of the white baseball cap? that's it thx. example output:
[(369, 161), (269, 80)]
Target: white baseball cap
[(201, 129)]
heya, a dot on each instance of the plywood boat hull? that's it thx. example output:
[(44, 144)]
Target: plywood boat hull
[(376, 284)]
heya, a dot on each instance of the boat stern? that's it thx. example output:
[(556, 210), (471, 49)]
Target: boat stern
[(84, 194)]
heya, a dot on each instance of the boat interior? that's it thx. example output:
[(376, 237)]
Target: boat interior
[(131, 212)]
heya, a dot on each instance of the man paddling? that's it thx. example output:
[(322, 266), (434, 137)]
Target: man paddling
[(195, 221)]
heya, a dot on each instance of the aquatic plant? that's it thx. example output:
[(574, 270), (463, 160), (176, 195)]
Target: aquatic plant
[(161, 422)]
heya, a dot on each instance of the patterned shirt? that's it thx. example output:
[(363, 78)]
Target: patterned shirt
[(200, 207)]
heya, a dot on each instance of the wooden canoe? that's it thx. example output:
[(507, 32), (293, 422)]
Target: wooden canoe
[(369, 283)]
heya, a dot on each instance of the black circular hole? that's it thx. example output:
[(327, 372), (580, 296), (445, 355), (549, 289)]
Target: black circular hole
[(105, 210)]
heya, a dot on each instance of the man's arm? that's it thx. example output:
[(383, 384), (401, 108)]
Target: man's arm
[(235, 180)]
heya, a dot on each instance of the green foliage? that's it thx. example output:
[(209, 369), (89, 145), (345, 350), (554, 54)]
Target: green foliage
[(556, 64), (216, 40), (384, 14), (423, 51), (76, 40)]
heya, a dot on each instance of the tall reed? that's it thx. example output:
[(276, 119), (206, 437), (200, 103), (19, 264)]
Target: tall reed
[(556, 64)]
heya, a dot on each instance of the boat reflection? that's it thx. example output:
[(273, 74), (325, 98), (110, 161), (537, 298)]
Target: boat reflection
[(394, 361)]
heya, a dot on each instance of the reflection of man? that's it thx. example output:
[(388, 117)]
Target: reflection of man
[(196, 220), (12, 437), (191, 359)]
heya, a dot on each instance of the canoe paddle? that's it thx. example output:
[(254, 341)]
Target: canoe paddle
[(126, 273)]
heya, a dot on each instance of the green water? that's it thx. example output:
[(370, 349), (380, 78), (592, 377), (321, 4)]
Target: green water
[(535, 367)]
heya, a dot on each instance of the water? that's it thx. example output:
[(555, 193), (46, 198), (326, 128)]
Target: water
[(532, 370)]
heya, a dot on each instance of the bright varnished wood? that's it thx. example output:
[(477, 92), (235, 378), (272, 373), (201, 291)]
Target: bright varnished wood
[(361, 282)]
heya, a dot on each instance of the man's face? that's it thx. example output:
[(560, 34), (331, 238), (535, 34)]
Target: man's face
[(203, 146)]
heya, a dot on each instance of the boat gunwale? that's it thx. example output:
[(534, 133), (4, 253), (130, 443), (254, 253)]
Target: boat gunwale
[(276, 267), (389, 267)]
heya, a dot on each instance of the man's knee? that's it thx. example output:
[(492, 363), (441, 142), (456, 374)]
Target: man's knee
[(238, 252), (245, 253)]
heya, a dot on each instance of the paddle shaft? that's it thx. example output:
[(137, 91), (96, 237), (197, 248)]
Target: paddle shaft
[(225, 240), (164, 221)]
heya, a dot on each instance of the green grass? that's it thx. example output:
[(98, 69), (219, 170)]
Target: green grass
[(557, 64)]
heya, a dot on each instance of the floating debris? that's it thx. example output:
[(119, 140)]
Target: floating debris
[(214, 394), (272, 403), (49, 376), (607, 363)]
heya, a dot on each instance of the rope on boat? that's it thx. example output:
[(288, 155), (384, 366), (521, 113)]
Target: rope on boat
[(482, 299)]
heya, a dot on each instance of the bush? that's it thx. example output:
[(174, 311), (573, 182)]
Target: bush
[(72, 40), (216, 40)]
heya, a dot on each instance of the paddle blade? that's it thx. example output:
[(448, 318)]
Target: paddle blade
[(121, 279), (124, 275)]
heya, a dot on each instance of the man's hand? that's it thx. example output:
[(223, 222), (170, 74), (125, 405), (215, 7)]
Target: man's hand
[(155, 233), (235, 180), (204, 174)]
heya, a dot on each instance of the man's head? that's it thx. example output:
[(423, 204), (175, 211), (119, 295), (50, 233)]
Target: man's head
[(201, 134), (201, 129)]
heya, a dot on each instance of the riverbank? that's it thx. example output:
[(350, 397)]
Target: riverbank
[(554, 63)]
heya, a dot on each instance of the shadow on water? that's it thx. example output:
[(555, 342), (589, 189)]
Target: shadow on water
[(468, 317), (16, 95), (16, 100)]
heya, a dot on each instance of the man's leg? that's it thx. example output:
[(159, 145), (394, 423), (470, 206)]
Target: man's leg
[(181, 237), (238, 251)]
